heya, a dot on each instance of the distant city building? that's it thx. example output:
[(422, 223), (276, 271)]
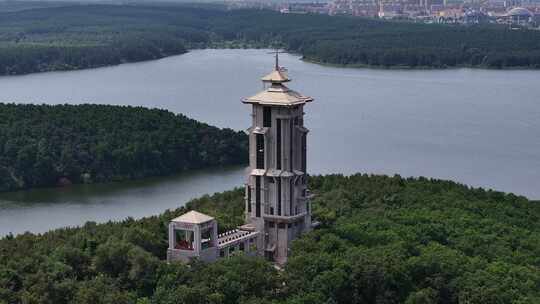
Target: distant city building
[(474, 16), (466, 12), (519, 16), (277, 200)]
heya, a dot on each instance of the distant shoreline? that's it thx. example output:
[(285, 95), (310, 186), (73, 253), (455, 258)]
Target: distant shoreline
[(417, 68), (90, 36), (337, 65)]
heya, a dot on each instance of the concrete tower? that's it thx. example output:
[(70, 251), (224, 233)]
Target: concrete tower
[(277, 199)]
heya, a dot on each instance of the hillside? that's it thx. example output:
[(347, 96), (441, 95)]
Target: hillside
[(382, 240), (42, 145), (87, 36)]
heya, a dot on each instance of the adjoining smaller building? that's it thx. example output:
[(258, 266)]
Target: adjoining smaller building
[(194, 235)]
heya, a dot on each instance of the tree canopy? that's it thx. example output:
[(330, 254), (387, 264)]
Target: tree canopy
[(44, 145), (381, 240), (86, 36)]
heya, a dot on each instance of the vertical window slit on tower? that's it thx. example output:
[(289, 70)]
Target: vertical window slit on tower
[(267, 117), (279, 196), (248, 198), (271, 208), (260, 150), (278, 144), (304, 152), (291, 198), (257, 196), (291, 145)]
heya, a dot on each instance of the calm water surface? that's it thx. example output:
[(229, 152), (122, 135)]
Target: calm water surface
[(479, 127)]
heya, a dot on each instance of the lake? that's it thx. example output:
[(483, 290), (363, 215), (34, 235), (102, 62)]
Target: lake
[(478, 127)]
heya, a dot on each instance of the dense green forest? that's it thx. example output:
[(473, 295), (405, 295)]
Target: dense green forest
[(382, 240), (84, 36), (43, 145)]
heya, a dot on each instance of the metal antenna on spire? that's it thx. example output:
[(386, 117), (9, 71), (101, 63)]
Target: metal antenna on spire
[(276, 54)]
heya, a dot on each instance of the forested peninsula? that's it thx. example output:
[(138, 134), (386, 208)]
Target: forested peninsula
[(382, 240), (44, 145), (87, 36)]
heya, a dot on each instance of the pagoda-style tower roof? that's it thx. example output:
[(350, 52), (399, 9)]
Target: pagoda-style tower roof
[(277, 93), (277, 76)]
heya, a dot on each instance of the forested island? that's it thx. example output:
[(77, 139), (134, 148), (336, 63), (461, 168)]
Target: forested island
[(44, 145), (382, 240), (87, 36)]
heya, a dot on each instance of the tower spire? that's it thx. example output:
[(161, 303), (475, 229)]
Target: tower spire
[(276, 53), (279, 74)]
